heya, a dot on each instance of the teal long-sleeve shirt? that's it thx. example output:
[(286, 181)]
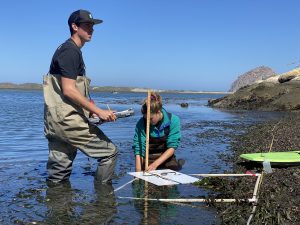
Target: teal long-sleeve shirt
[(173, 139)]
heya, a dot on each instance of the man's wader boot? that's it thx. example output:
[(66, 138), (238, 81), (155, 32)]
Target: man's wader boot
[(67, 129)]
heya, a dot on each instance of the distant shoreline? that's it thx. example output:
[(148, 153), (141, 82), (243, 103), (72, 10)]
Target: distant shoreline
[(35, 86)]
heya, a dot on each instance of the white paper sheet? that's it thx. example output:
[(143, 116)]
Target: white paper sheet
[(164, 177)]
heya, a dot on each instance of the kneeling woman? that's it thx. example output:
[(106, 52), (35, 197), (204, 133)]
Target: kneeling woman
[(164, 137)]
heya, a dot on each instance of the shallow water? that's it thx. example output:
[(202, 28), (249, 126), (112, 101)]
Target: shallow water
[(25, 197)]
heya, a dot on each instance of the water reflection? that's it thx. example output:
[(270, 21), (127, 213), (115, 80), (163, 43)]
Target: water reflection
[(207, 132), (63, 207), (152, 212)]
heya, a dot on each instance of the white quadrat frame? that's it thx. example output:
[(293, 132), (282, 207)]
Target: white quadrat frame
[(254, 198)]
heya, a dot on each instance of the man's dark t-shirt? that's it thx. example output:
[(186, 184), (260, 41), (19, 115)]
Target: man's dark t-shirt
[(67, 61)]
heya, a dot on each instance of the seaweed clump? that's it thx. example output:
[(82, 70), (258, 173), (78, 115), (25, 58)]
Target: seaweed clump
[(279, 193)]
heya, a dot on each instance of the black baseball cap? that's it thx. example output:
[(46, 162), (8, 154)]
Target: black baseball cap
[(82, 16)]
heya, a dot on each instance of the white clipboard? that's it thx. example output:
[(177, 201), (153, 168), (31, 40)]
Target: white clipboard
[(164, 177)]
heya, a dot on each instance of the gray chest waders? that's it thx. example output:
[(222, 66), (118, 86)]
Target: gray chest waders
[(67, 129)]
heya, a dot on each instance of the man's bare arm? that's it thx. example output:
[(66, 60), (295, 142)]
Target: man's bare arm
[(70, 91)]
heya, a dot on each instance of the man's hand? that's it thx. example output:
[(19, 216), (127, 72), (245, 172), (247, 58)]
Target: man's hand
[(106, 115)]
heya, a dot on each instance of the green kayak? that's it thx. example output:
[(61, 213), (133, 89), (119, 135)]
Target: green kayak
[(278, 158)]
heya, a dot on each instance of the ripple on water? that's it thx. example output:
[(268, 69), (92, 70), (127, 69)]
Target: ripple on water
[(25, 196)]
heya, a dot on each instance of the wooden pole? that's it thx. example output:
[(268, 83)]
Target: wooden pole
[(146, 206), (147, 131), (147, 156)]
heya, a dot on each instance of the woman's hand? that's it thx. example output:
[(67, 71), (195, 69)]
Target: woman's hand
[(153, 166), (167, 154)]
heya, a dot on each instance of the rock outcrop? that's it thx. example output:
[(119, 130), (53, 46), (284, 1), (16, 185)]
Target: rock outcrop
[(269, 95), (253, 76), (290, 75)]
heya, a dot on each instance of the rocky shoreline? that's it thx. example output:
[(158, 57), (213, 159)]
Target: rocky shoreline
[(279, 195), (264, 96), (275, 93)]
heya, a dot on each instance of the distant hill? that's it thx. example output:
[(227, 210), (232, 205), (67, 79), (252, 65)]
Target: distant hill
[(29, 86), (258, 74), (34, 86)]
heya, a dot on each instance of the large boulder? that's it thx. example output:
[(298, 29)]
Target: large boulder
[(253, 76), (293, 74)]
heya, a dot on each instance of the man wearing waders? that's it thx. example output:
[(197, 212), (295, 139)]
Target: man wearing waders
[(67, 108)]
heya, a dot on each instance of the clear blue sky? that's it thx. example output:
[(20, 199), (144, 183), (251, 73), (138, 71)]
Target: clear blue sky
[(161, 44)]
